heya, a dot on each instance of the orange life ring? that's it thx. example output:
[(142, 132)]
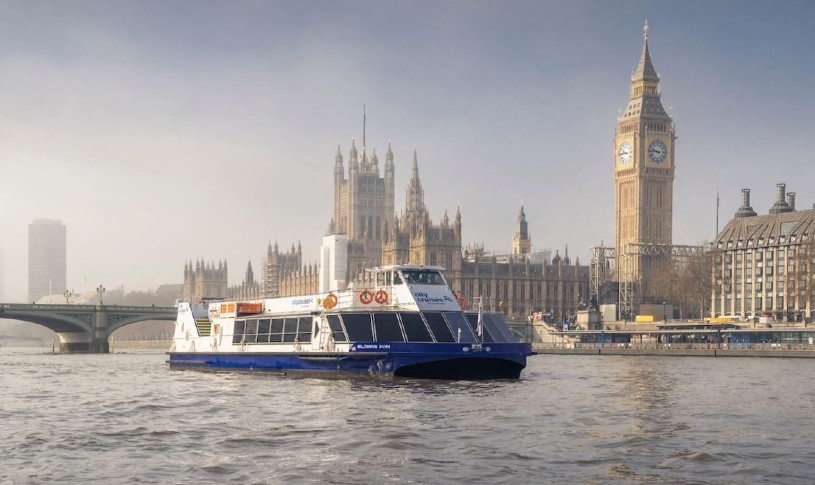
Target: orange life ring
[(330, 301), (366, 297), (381, 297), (462, 302)]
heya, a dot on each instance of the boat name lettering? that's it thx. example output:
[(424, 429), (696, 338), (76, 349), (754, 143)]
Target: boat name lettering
[(372, 346), (422, 297), (302, 301)]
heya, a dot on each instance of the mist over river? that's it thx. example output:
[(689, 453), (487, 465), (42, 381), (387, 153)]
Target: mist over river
[(127, 418)]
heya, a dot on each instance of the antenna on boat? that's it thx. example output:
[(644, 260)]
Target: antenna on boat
[(363, 126)]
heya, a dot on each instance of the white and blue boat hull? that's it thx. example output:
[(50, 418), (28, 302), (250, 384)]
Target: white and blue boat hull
[(416, 360)]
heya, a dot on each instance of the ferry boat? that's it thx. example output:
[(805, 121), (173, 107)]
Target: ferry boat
[(408, 324)]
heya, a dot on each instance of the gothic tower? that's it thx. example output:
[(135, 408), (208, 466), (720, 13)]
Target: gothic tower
[(521, 243), (644, 173), (414, 239), (363, 204)]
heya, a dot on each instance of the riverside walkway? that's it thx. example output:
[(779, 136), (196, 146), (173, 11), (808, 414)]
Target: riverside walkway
[(680, 339)]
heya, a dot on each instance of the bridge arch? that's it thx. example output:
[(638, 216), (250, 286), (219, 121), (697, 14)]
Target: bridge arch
[(84, 328), (66, 318)]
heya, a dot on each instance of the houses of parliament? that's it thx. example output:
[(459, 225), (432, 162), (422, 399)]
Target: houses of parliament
[(516, 283)]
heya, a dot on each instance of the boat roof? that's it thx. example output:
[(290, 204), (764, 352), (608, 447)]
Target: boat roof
[(407, 266)]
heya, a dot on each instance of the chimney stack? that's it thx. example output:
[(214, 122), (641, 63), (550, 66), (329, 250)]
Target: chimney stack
[(745, 210), (791, 200), (780, 204)]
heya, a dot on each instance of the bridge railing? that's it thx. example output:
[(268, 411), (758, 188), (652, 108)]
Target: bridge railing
[(118, 308), (35, 306)]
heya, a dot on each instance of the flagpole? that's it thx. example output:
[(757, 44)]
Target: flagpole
[(717, 214), (480, 327)]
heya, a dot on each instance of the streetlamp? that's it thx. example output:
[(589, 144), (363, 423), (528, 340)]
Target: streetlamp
[(664, 313), (67, 296), (101, 290)]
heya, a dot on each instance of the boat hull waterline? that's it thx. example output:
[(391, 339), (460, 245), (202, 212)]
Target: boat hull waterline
[(492, 361)]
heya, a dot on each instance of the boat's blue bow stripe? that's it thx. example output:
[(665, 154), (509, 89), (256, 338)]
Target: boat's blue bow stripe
[(441, 348)]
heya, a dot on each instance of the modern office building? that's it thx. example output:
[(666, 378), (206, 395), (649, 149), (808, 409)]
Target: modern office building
[(762, 264), (47, 259)]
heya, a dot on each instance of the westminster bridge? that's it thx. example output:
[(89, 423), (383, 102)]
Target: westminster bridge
[(84, 328)]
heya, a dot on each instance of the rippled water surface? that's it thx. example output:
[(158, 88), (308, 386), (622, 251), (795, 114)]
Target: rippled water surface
[(126, 418)]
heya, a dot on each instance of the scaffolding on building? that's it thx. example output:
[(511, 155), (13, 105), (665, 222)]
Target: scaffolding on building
[(625, 274), (601, 269), (630, 280)]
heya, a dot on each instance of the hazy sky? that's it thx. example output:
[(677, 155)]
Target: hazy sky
[(164, 131)]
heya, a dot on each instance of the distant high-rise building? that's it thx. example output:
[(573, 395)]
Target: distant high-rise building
[(47, 259)]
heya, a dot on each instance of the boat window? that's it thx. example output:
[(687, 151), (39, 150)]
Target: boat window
[(472, 319), (439, 327), (336, 328), (415, 328), (422, 277), (290, 329), (461, 329), (237, 332), (304, 330), (496, 325), (397, 280), (387, 328), (263, 330), (251, 332), (358, 326), (276, 331)]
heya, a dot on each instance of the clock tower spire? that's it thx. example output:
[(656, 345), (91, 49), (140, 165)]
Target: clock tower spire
[(644, 145)]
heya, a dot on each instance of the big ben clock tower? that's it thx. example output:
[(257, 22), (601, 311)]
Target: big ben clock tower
[(643, 172)]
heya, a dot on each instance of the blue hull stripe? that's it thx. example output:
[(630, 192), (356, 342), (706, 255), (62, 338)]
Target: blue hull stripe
[(368, 358)]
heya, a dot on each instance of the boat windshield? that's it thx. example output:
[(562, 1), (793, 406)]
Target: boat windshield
[(422, 277)]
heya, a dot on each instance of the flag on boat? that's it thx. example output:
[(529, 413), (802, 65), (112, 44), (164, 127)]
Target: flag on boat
[(479, 329)]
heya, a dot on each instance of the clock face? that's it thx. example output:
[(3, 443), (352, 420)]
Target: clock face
[(625, 153), (657, 151)]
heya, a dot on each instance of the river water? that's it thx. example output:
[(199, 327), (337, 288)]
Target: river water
[(127, 418)]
